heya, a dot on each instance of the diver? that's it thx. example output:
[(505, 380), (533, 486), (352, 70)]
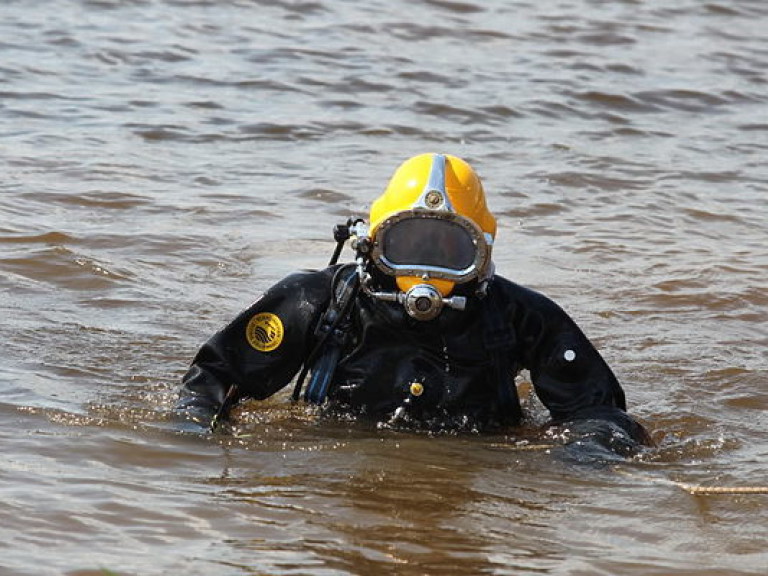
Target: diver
[(418, 331)]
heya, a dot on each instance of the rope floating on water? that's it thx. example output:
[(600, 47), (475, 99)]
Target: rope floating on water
[(697, 489), (708, 490), (523, 447)]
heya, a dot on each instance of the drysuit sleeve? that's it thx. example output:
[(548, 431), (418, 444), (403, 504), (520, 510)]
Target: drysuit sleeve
[(260, 351), (573, 381)]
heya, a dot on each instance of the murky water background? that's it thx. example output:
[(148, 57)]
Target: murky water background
[(165, 161)]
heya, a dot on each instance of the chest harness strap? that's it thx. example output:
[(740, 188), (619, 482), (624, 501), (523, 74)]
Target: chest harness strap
[(330, 337), (499, 340)]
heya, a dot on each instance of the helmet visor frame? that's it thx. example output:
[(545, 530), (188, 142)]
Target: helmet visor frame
[(433, 244)]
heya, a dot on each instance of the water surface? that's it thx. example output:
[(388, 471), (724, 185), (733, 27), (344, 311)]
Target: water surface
[(166, 161)]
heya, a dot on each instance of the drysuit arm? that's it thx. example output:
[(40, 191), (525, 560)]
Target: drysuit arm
[(574, 382), (259, 352)]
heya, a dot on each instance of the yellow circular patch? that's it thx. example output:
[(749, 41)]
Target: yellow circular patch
[(264, 332), (417, 389)]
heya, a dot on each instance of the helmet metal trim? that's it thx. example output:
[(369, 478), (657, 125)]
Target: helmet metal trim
[(435, 196)]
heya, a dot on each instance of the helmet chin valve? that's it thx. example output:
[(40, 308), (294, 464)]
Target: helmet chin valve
[(424, 302)]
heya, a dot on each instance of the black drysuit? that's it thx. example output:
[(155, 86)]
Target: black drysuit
[(464, 361)]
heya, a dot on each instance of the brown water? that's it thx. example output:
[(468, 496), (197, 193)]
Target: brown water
[(165, 161)]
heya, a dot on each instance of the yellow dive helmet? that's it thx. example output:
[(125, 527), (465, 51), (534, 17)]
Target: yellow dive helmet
[(432, 225)]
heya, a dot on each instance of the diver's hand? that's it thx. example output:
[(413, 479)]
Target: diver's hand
[(601, 433), (596, 441)]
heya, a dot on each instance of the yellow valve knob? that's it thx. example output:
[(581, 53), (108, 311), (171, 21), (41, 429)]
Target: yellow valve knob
[(417, 389)]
